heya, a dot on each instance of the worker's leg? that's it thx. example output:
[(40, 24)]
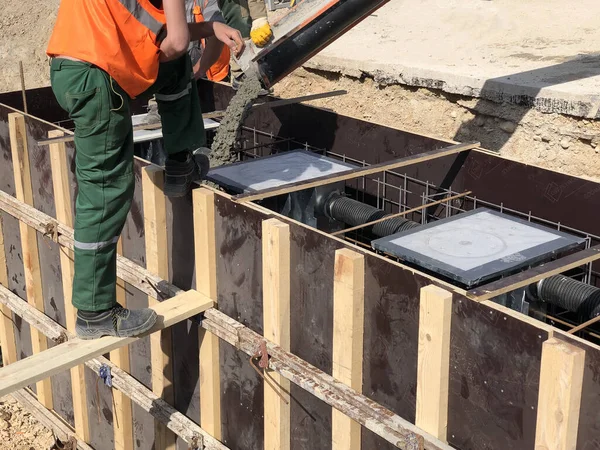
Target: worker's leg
[(176, 94), (104, 170)]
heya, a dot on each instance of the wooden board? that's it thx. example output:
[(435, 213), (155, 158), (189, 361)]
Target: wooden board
[(348, 337), (276, 328), (433, 367), (561, 382), (31, 258), (76, 351), (161, 344), (494, 378), (7, 331), (535, 274), (206, 283), (357, 173)]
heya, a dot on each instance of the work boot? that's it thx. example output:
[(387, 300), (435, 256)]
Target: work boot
[(117, 321), (236, 82), (184, 168)]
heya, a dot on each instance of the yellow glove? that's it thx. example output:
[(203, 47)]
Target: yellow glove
[(261, 32)]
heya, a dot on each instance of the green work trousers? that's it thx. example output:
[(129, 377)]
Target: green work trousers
[(104, 160)]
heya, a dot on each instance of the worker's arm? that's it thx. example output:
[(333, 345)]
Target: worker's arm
[(261, 32), (177, 37), (223, 33), (210, 55)]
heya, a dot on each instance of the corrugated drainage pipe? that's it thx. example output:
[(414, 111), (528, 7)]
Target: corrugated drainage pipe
[(570, 294), (354, 213)]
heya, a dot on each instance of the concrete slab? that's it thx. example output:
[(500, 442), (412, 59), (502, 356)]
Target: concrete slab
[(539, 53)]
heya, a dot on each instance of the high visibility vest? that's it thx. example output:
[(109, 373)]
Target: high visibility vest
[(119, 36), (220, 69)]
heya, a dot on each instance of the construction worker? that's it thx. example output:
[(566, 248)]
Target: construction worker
[(105, 52), (249, 17), (210, 58)]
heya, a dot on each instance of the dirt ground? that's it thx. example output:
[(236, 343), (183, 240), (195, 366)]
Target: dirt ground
[(554, 141), (19, 430)]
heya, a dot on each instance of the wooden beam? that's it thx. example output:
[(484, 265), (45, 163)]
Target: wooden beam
[(356, 173), (402, 213), (348, 334), (535, 274), (368, 413), (127, 385), (433, 367), (64, 214), (47, 418), (7, 330), (206, 283), (33, 316), (122, 408), (76, 351), (559, 401), (276, 328), (157, 261), (29, 243)]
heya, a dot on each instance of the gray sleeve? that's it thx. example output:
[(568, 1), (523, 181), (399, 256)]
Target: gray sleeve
[(212, 13)]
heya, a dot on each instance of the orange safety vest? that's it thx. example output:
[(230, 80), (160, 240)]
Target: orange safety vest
[(119, 36), (220, 69)]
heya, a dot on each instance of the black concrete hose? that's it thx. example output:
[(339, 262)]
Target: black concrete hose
[(571, 295), (354, 213)]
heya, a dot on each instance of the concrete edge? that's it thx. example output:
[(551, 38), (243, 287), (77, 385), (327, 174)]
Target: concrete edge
[(498, 90)]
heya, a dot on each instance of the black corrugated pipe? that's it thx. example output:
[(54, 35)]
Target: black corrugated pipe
[(354, 213), (570, 294)]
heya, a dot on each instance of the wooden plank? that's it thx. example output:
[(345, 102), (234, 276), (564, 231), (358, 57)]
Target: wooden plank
[(76, 351), (49, 419), (64, 214), (535, 274), (348, 337), (561, 383), (122, 408), (356, 173), (31, 259), (7, 331), (206, 283), (433, 368), (32, 316), (157, 261), (276, 328), (127, 385)]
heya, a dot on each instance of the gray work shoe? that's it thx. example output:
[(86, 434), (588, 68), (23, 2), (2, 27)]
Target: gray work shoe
[(118, 321)]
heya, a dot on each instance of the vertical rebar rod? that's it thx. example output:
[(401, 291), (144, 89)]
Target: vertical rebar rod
[(23, 87)]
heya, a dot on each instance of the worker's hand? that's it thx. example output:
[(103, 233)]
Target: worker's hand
[(231, 37), (261, 32)]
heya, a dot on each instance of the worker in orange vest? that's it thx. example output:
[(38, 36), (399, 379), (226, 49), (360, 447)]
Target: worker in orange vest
[(104, 53), (210, 58)]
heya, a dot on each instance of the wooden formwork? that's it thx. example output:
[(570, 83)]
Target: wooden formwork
[(363, 352)]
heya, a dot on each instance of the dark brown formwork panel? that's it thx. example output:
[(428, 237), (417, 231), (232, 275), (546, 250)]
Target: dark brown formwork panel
[(392, 298), (49, 254), (588, 435), (494, 378), (239, 287), (12, 238)]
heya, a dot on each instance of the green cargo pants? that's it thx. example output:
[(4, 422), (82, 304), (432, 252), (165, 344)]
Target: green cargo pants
[(104, 160)]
